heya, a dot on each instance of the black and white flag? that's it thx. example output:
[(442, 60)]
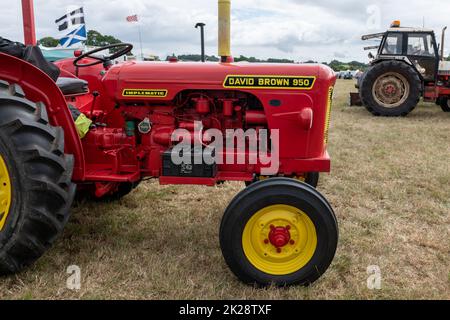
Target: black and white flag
[(72, 28)]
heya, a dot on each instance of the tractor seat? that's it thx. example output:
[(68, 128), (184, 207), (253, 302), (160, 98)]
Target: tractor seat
[(72, 86)]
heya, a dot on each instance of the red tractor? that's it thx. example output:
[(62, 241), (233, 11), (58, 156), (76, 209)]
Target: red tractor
[(93, 127)]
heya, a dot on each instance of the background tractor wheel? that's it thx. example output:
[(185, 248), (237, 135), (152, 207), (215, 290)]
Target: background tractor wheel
[(36, 191), (279, 231), (391, 89), (311, 178), (445, 104)]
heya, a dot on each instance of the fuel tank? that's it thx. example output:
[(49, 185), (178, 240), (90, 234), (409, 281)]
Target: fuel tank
[(164, 80)]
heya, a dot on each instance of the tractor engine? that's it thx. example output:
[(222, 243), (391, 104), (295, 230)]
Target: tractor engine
[(138, 135), (142, 107)]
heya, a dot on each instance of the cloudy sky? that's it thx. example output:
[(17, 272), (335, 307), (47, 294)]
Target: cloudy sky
[(320, 30)]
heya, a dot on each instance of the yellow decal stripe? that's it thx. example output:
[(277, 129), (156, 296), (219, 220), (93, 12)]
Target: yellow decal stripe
[(269, 82), (328, 115)]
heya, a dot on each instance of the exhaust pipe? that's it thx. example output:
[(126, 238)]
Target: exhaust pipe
[(225, 30), (442, 43)]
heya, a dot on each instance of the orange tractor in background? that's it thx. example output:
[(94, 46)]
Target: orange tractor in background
[(89, 126)]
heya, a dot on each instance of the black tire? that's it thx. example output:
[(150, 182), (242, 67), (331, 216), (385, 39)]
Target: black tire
[(40, 175), (123, 190), (383, 68), (445, 104), (273, 192), (312, 178)]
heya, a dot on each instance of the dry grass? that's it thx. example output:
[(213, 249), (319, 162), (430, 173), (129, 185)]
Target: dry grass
[(390, 188)]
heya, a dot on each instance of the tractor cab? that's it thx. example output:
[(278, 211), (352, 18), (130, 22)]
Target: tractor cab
[(417, 47)]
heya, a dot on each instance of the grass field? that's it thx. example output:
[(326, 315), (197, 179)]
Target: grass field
[(389, 186)]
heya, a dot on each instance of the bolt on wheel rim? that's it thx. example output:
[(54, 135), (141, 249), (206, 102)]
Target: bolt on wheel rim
[(5, 193), (391, 90), (279, 240)]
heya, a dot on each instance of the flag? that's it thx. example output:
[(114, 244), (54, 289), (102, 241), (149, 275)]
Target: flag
[(133, 18), (72, 28)]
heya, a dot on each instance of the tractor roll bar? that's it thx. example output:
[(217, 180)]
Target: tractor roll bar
[(29, 29)]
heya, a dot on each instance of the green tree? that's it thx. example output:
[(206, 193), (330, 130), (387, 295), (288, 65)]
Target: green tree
[(344, 66), (274, 60), (49, 42), (96, 39)]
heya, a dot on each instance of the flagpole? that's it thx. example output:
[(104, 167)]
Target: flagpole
[(140, 41)]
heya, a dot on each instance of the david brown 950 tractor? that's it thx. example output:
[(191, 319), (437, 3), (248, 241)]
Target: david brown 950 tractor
[(408, 66), (92, 126)]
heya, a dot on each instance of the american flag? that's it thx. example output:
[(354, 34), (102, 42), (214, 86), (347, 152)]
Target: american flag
[(133, 18)]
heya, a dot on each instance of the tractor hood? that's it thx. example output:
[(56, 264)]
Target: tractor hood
[(164, 80)]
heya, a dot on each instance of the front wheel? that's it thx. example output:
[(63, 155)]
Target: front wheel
[(279, 231), (445, 104)]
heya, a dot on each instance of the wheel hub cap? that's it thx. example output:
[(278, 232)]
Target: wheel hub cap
[(391, 90), (279, 240), (279, 236), (5, 193)]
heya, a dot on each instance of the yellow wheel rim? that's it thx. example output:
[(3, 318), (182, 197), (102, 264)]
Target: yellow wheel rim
[(5, 193), (279, 240)]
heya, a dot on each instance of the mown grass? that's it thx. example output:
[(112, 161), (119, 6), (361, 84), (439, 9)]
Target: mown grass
[(389, 186)]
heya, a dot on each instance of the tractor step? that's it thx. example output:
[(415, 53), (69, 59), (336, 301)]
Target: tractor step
[(108, 176)]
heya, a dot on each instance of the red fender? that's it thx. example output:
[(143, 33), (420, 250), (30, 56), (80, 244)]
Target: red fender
[(39, 87)]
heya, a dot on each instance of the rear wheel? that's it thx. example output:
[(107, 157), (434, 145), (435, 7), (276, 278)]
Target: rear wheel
[(279, 231), (36, 191), (391, 89), (311, 178), (445, 104)]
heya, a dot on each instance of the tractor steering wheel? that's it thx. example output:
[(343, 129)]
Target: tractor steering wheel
[(126, 48)]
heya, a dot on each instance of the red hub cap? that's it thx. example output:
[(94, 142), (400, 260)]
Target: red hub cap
[(279, 236), (390, 89)]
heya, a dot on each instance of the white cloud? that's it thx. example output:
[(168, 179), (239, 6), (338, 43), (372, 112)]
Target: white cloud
[(319, 30)]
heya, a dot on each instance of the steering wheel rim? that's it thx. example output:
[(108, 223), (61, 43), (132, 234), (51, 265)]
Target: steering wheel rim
[(127, 47)]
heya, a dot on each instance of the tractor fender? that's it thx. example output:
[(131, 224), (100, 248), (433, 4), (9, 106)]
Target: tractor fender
[(39, 87)]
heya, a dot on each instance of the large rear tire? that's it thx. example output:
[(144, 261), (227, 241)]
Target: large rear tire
[(36, 189), (445, 104), (279, 231), (391, 89)]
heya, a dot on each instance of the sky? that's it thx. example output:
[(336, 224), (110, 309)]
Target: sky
[(301, 30)]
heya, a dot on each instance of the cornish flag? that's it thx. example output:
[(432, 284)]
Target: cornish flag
[(72, 29)]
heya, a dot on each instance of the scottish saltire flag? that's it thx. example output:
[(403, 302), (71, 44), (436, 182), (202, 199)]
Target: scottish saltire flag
[(72, 29)]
